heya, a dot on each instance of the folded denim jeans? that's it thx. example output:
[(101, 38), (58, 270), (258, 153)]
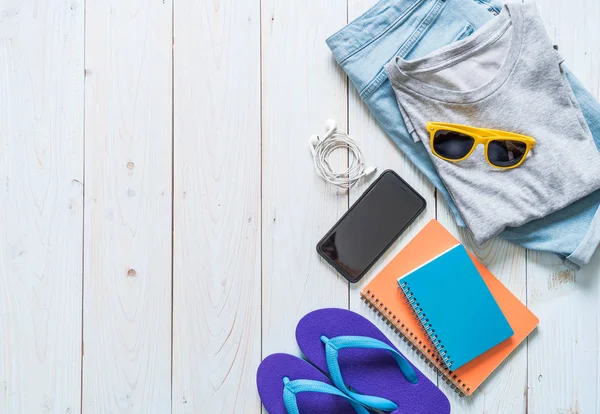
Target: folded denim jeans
[(413, 28)]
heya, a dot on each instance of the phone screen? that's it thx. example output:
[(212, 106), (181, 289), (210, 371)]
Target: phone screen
[(371, 225)]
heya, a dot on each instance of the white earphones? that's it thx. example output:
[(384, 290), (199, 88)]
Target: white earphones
[(321, 149)]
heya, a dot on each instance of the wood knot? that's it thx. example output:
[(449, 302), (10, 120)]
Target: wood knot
[(131, 273)]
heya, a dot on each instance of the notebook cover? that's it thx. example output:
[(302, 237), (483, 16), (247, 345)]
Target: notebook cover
[(466, 332), (383, 295)]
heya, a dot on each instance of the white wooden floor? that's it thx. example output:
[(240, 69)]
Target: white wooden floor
[(159, 209)]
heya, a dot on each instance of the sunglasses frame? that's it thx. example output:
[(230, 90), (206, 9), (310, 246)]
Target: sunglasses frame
[(480, 136)]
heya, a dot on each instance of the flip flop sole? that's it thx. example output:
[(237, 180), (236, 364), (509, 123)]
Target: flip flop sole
[(269, 380), (367, 371)]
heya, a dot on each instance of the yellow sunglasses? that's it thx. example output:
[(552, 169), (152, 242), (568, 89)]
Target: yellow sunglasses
[(455, 143)]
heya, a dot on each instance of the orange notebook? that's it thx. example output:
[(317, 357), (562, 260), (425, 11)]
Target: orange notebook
[(384, 296)]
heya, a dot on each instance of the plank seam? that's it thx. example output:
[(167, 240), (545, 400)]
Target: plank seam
[(83, 211), (172, 182), (261, 218)]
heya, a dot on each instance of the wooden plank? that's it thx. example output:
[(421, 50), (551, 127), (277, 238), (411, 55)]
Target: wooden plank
[(502, 392), (380, 151), (505, 391), (506, 388), (564, 371), (127, 262), (216, 320), (563, 354), (41, 205), (301, 87)]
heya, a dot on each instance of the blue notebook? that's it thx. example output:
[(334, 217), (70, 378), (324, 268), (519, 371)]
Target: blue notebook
[(455, 307)]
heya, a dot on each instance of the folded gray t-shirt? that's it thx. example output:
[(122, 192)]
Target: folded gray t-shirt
[(506, 76)]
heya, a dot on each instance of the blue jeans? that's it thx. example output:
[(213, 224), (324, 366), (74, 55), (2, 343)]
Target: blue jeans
[(414, 28)]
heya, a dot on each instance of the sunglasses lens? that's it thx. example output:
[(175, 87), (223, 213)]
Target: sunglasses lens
[(506, 153), (452, 145)]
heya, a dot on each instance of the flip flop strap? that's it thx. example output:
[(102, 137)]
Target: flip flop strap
[(332, 347), (291, 388)]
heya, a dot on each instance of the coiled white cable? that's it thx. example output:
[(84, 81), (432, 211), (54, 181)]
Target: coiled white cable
[(322, 148)]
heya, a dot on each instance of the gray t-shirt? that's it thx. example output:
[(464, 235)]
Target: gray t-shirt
[(506, 76)]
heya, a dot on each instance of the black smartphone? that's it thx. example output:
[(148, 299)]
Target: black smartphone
[(371, 225)]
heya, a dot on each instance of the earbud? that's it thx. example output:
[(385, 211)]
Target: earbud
[(322, 147), (313, 141), (330, 127)]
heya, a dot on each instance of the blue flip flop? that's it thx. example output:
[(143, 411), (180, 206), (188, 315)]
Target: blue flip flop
[(363, 363)]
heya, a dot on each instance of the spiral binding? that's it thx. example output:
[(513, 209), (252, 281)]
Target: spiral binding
[(417, 345), (420, 314)]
